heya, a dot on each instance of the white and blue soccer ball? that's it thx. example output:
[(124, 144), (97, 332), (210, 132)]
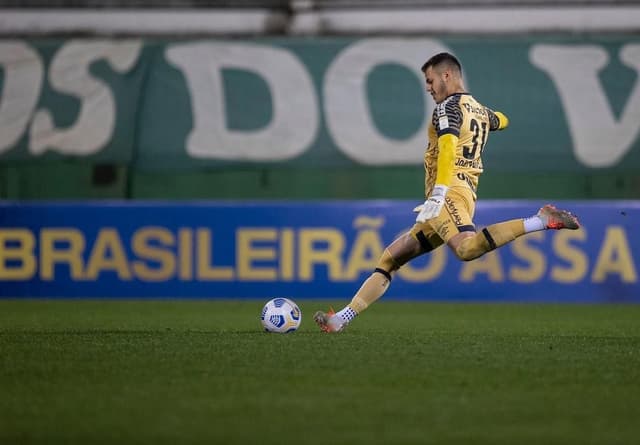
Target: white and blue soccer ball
[(281, 315)]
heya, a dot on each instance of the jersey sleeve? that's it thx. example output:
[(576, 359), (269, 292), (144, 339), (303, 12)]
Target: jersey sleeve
[(447, 117), (497, 120)]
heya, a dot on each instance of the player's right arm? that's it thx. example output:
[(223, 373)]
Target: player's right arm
[(447, 121)]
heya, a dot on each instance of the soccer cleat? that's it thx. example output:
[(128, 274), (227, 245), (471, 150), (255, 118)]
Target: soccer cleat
[(557, 219), (328, 321)]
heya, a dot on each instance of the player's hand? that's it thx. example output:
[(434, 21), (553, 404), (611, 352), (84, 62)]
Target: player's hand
[(433, 205), (503, 119), (430, 209)]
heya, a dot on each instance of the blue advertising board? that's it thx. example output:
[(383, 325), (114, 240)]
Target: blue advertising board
[(303, 250)]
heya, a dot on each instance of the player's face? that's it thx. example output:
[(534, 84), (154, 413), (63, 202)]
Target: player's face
[(436, 85)]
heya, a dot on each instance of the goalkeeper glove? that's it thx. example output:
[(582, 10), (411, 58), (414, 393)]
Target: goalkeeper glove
[(433, 205)]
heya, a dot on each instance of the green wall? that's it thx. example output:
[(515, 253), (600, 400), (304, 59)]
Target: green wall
[(80, 180), (297, 118)]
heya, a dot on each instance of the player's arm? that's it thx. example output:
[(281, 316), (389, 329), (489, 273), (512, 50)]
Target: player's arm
[(448, 131), (447, 144), (446, 156), (497, 120)]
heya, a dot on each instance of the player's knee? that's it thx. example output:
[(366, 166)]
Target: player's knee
[(387, 263), (470, 249)]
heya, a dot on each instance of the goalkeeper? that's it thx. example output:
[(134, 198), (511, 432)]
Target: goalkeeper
[(457, 135)]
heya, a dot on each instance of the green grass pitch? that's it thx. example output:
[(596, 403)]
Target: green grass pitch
[(182, 372)]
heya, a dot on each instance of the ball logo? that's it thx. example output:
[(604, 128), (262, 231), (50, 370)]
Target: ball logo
[(277, 320)]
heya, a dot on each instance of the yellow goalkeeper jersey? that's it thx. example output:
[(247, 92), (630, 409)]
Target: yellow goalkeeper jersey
[(470, 121)]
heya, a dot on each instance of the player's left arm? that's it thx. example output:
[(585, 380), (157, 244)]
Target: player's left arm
[(497, 120)]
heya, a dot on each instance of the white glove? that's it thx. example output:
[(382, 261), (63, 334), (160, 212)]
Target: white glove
[(433, 205)]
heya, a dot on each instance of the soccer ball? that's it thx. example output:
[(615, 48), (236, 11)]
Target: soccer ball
[(281, 315)]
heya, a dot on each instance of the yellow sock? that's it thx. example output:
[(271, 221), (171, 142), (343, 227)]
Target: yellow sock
[(371, 290), (490, 238), (504, 232)]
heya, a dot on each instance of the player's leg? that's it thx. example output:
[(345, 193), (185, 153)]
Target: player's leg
[(470, 246), (422, 238), (407, 246)]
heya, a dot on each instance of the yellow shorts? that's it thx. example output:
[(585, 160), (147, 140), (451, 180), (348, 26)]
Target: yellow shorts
[(456, 216)]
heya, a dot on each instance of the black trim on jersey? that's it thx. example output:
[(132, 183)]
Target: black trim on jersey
[(487, 235), (383, 272), (450, 110), (494, 121), (456, 94), (452, 131), (467, 228), (424, 242)]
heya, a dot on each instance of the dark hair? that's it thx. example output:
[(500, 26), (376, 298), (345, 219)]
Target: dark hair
[(442, 59)]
